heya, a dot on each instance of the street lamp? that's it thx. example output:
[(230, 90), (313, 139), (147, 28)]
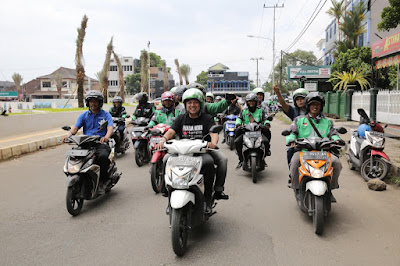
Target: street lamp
[(273, 54)]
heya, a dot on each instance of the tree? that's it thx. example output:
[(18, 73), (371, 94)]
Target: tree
[(178, 69), (390, 16), (352, 77), (79, 61), (202, 78), (144, 60), (166, 79), (58, 78), (185, 70), (133, 83), (17, 80), (106, 68), (120, 76), (352, 26), (336, 11)]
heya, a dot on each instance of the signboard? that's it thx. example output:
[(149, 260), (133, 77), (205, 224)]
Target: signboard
[(215, 75), (309, 72), (243, 74), (387, 46), (387, 62), (9, 94), (310, 86)]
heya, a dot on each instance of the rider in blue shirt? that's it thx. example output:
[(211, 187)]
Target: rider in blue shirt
[(90, 121)]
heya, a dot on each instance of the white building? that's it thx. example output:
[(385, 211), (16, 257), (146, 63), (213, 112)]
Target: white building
[(128, 68)]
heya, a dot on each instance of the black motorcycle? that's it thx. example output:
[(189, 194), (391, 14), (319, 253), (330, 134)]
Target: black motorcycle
[(122, 143), (140, 140), (83, 172)]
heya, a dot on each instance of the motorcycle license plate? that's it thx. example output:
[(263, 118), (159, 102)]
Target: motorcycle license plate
[(253, 134), (155, 140), (377, 134), (77, 153), (315, 155), (183, 160)]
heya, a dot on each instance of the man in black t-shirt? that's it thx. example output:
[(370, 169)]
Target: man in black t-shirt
[(196, 124)]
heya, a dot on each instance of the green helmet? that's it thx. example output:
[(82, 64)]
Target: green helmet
[(209, 94), (173, 89), (193, 93), (258, 90), (300, 92)]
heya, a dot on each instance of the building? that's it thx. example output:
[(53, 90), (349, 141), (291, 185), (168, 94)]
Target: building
[(157, 82), (7, 85), (48, 89), (220, 81), (128, 67)]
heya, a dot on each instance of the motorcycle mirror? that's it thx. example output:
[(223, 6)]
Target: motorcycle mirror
[(127, 116), (66, 128), (286, 132), (216, 129), (341, 130), (270, 118), (363, 114), (156, 132)]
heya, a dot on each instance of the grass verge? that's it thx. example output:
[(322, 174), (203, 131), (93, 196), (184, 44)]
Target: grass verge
[(283, 118)]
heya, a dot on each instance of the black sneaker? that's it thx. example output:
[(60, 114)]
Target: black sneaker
[(240, 164), (223, 141), (208, 207), (268, 153), (333, 199), (220, 195)]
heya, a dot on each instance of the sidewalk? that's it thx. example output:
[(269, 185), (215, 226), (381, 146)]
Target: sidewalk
[(392, 143), (25, 143)]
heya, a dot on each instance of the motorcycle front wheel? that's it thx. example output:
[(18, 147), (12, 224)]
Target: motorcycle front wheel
[(179, 230), (318, 215), (379, 169), (231, 143), (74, 204), (140, 154), (156, 177), (254, 169)]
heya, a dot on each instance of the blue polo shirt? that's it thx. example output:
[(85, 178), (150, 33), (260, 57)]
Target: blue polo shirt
[(91, 122)]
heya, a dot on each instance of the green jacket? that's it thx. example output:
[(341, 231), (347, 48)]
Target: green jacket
[(301, 128), (216, 108), (160, 117), (259, 116)]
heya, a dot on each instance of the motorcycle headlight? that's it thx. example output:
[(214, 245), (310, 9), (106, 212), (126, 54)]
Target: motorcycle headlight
[(181, 170), (88, 163), (316, 173), (74, 168), (258, 142), (376, 141), (231, 129), (247, 142)]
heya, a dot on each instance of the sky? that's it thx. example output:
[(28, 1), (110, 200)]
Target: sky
[(37, 37)]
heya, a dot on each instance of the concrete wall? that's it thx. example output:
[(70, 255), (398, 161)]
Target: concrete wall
[(16, 107)]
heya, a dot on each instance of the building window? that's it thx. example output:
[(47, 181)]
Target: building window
[(334, 28), (113, 68), (361, 40), (46, 84), (326, 38), (113, 83), (65, 84), (330, 33)]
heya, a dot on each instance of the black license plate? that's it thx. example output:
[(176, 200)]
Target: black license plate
[(315, 155)]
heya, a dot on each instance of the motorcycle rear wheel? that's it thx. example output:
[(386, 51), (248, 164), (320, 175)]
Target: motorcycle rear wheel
[(74, 205), (318, 215), (380, 173), (231, 143), (157, 180), (254, 169), (179, 231)]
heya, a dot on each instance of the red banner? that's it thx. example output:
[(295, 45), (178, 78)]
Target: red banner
[(387, 62), (386, 46)]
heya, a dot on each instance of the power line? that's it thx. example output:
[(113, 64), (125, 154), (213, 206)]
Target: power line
[(308, 24)]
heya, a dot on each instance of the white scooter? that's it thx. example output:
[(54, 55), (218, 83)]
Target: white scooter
[(185, 185)]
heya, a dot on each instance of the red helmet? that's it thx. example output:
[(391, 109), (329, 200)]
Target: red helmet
[(168, 96)]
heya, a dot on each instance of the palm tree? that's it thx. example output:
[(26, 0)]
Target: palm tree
[(178, 69), (185, 70), (166, 79), (336, 11), (58, 78), (120, 76), (144, 73), (17, 80), (106, 68), (345, 79), (79, 61), (352, 27)]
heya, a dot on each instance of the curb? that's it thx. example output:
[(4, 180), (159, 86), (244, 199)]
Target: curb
[(28, 147)]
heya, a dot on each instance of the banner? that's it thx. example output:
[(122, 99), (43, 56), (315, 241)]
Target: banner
[(309, 72), (387, 62), (387, 46)]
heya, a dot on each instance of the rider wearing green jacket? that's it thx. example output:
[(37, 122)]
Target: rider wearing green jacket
[(168, 113)]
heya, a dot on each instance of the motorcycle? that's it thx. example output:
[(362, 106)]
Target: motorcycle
[(122, 143), (230, 130), (367, 153), (185, 184), (140, 140), (83, 174), (219, 119), (156, 169), (254, 152), (315, 174)]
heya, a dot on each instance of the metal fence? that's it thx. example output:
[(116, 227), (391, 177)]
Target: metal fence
[(388, 107), (359, 100)]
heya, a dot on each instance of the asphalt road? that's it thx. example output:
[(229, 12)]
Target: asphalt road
[(260, 224)]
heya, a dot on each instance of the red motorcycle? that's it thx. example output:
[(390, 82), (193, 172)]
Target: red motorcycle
[(156, 170)]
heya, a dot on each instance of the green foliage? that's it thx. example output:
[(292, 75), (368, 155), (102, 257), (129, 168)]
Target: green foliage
[(133, 82), (155, 61), (349, 78), (252, 86), (390, 16), (202, 78)]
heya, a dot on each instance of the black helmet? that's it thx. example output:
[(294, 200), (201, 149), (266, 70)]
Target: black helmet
[(198, 86), (251, 97), (93, 94), (313, 97), (142, 98), (181, 90), (117, 99)]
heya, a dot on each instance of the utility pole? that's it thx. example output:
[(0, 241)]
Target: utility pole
[(148, 46), (273, 41), (257, 58)]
